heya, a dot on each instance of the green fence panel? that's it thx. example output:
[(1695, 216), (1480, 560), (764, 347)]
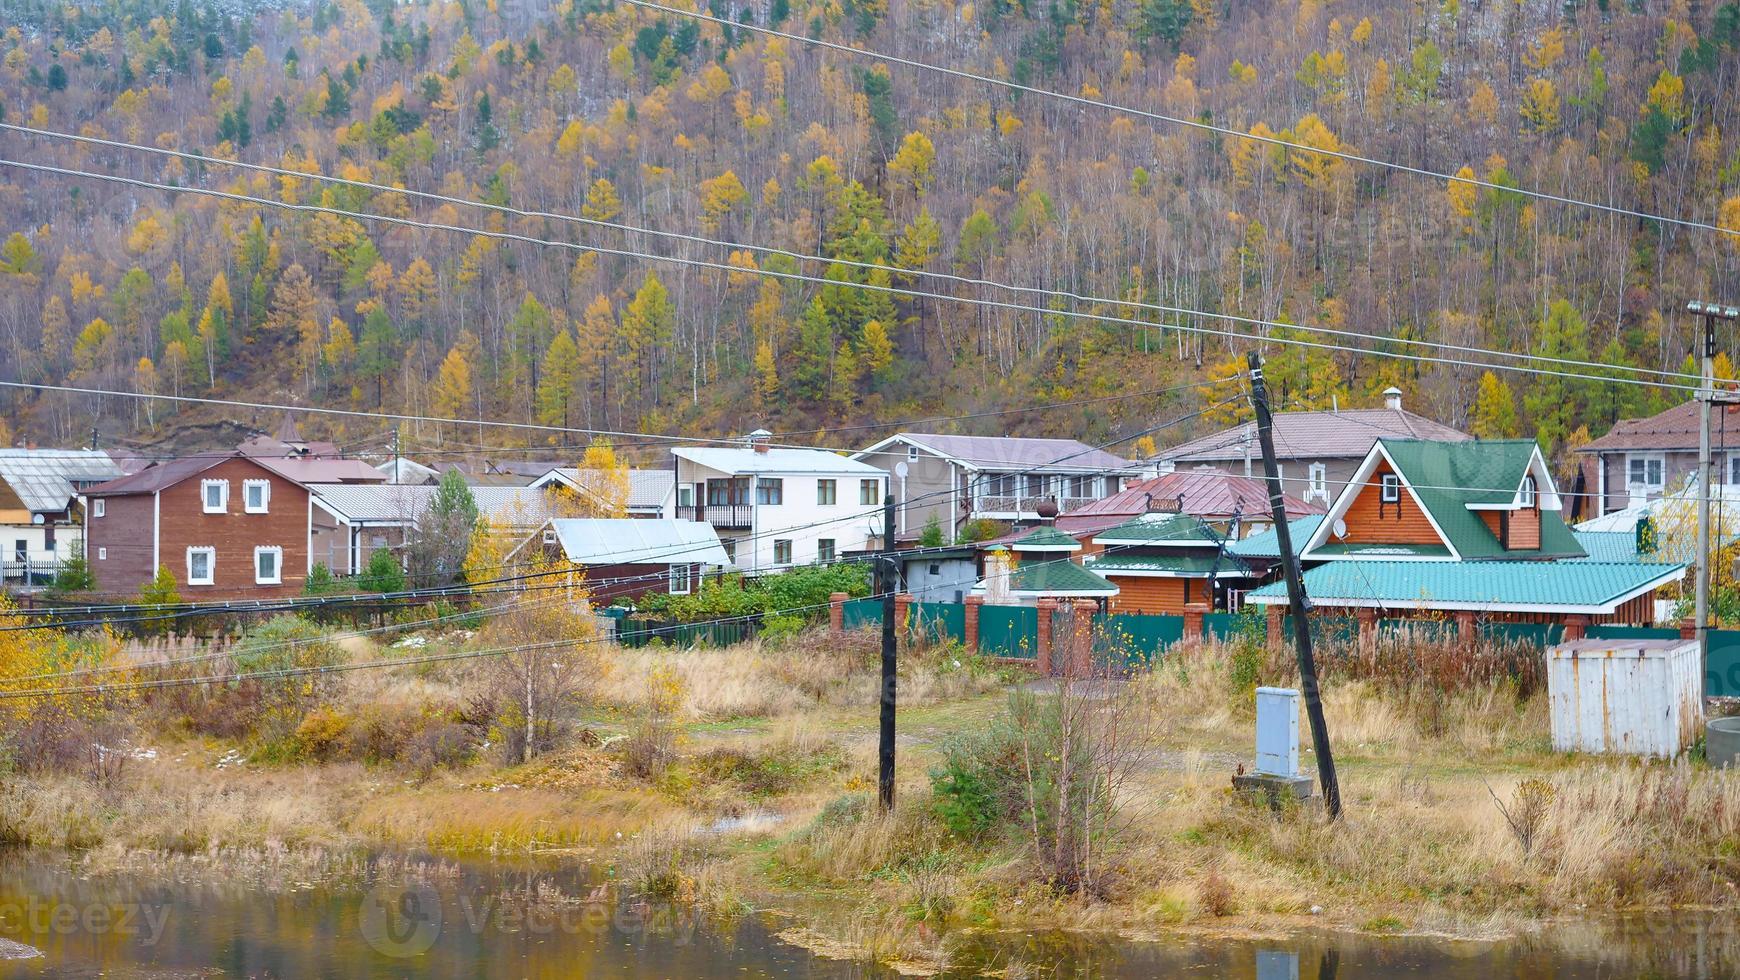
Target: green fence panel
[(641, 632), (1722, 676), (1232, 626), (859, 613), (937, 621), (1009, 631), (1140, 638), (1542, 635), (1417, 630), (1632, 633)]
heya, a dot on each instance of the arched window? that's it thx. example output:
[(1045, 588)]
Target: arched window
[(1526, 495)]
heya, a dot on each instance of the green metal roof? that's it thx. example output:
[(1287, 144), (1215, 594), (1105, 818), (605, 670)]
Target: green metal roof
[(1058, 578), (1448, 476), (1267, 544), (1179, 566), (1339, 549), (1045, 538), (1161, 529), (1492, 586), (1611, 546)]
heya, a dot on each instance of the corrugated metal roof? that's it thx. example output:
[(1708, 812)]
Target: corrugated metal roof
[(775, 460), (321, 469), (1160, 529), (394, 503), (1206, 493), (1567, 586), (165, 474), (1054, 577), (1267, 544), (1179, 566), (634, 541), (1608, 545), (1021, 453), (647, 489), (46, 480), (1045, 538), (1347, 434)]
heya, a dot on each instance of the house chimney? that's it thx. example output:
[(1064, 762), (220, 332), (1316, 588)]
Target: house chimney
[(759, 439), (1393, 398)]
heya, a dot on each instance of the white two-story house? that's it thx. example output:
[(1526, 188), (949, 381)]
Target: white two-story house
[(774, 507)]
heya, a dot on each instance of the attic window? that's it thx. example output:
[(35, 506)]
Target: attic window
[(1390, 489), (1526, 496)]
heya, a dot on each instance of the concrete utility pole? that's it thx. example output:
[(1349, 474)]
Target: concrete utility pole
[(1711, 312), (888, 582), (1296, 599)]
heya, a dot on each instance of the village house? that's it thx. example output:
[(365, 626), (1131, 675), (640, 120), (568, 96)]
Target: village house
[(1161, 563), (1317, 452), (225, 525), (1640, 460), (42, 509), (349, 522), (1237, 506), (1428, 528), (777, 507), (956, 479), (626, 558)]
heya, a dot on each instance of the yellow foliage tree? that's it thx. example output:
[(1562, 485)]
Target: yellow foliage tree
[(1540, 106)]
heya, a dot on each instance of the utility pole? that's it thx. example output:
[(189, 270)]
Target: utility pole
[(1711, 312), (395, 453), (887, 582), (1296, 599)]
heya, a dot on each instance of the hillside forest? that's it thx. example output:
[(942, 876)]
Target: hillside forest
[(790, 158)]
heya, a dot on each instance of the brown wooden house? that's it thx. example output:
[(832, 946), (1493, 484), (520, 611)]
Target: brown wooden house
[(226, 526)]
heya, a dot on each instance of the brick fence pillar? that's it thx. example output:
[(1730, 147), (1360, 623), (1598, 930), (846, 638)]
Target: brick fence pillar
[(1193, 613), (973, 602), (1276, 616), (1042, 641), (1688, 628), (902, 618), (1576, 627), (837, 612), (1467, 634), (1081, 641), (1367, 618)]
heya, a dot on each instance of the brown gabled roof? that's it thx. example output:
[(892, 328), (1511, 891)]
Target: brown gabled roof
[(166, 474), (1676, 428), (1349, 433)]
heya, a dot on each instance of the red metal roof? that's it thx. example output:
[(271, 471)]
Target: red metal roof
[(1208, 494)]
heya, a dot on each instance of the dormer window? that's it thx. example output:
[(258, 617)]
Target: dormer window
[(1526, 496), (1390, 489)]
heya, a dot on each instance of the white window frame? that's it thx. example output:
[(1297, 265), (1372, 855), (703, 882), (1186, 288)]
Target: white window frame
[(265, 496), (1319, 482), (102, 554), (911, 452), (210, 564), (277, 553), (99, 507), (223, 487), (549, 535), (682, 580), (1526, 495), (1390, 488), (1645, 459), (1734, 469)]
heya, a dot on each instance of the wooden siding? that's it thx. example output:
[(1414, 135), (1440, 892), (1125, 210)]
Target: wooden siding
[(1371, 521), (1525, 530), (118, 544), (1155, 596)]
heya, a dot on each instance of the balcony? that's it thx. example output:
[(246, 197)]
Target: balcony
[(1020, 505), (723, 516)]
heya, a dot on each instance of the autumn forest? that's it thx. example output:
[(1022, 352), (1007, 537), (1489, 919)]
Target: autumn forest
[(786, 175)]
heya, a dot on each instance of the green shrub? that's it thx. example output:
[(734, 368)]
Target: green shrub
[(382, 573)]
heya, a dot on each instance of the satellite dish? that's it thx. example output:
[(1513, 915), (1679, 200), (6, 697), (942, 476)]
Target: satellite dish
[(901, 469), (1340, 528)]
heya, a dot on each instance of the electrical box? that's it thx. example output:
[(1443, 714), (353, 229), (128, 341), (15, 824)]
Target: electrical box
[(1278, 732)]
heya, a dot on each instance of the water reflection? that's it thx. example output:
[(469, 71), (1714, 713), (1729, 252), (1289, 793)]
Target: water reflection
[(403, 917)]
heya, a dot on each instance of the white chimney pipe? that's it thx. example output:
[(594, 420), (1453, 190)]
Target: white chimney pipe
[(1393, 398)]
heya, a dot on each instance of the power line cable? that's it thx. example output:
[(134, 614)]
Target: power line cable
[(726, 267), (820, 259)]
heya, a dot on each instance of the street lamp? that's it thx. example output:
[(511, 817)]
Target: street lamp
[(1711, 312)]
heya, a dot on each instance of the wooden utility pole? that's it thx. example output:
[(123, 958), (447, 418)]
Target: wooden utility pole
[(1711, 312), (888, 582), (1296, 599)]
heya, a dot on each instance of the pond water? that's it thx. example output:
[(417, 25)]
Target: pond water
[(399, 917)]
